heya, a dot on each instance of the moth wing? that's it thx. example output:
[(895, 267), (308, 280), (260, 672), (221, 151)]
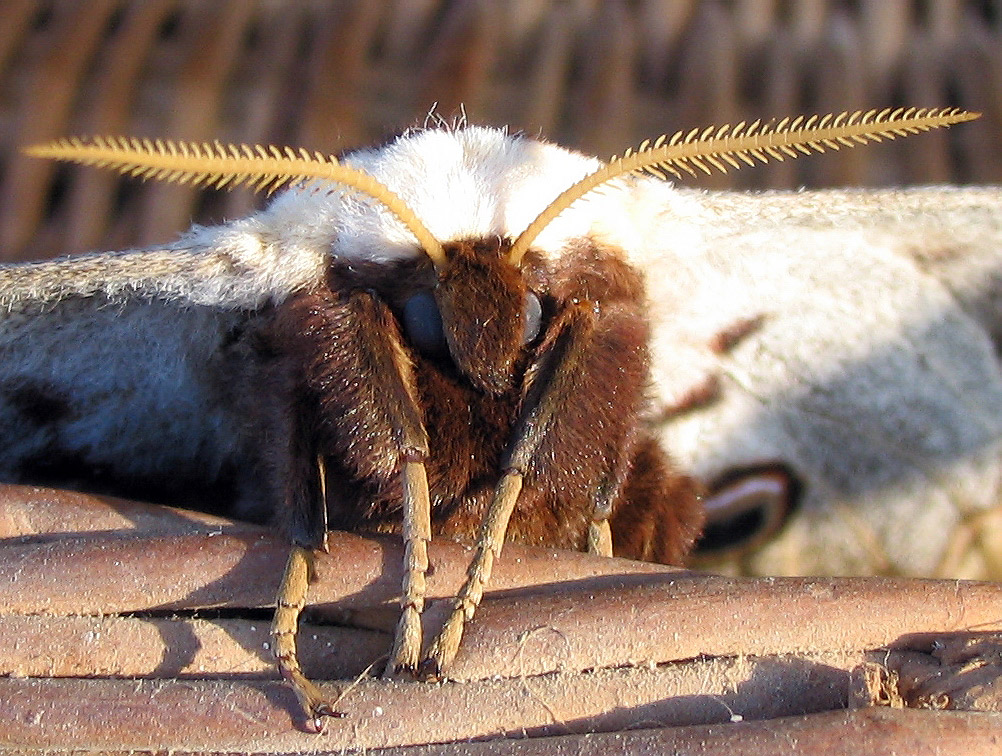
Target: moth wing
[(135, 365), (242, 265), (850, 337)]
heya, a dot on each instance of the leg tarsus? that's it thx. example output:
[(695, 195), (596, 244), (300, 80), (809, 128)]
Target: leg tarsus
[(446, 644), (600, 538), (406, 652), (289, 605), (490, 541)]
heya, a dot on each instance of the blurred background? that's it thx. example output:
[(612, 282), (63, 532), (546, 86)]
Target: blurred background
[(598, 75)]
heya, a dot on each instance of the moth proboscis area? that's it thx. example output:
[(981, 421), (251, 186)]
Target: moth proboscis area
[(445, 335)]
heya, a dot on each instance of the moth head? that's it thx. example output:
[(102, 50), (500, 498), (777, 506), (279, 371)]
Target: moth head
[(479, 309), (480, 312)]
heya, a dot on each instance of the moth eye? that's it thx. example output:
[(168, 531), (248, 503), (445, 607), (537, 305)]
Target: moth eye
[(423, 323), (533, 310)]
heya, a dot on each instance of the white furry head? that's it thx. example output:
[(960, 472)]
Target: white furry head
[(472, 182)]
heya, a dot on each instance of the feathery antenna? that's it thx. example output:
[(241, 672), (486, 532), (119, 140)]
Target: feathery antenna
[(716, 148), (713, 148), (228, 166)]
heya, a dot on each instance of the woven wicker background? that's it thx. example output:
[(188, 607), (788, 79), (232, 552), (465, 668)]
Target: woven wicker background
[(593, 74)]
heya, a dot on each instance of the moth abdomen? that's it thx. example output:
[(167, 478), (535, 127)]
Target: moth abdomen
[(661, 514)]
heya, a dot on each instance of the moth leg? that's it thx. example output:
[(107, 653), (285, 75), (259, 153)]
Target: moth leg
[(600, 536), (488, 548), (600, 541), (406, 651), (553, 386), (388, 360), (298, 476), (289, 605), (372, 370)]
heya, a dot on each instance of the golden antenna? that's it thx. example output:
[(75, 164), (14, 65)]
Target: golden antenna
[(717, 148), (228, 166)]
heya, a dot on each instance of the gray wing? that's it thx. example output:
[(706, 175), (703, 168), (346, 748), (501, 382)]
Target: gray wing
[(166, 273), (239, 265), (870, 369), (126, 371)]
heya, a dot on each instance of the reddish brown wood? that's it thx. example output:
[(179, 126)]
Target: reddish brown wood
[(34, 511), (98, 555), (255, 717), (877, 732), (45, 646), (662, 618), (566, 644)]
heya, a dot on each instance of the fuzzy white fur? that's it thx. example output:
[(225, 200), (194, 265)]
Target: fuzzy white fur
[(471, 183), (873, 375)]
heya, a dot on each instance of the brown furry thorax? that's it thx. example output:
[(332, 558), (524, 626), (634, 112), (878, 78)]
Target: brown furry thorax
[(473, 395)]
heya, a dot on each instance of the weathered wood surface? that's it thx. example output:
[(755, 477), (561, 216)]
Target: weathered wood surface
[(93, 590)]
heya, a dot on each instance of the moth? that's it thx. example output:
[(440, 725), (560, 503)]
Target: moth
[(449, 335)]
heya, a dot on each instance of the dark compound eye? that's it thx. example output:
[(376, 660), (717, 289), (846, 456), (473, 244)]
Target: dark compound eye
[(533, 312), (423, 323)]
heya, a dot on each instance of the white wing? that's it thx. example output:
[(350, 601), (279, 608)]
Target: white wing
[(872, 372), (237, 266), (129, 365)]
